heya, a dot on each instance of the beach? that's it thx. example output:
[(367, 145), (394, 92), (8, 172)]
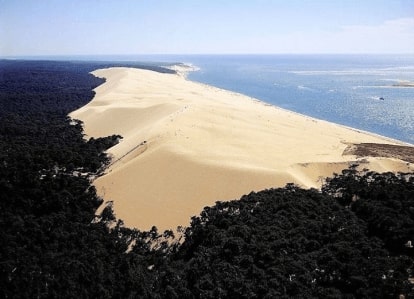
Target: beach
[(187, 145)]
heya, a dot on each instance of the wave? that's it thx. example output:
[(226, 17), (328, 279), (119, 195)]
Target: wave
[(376, 98), (302, 87)]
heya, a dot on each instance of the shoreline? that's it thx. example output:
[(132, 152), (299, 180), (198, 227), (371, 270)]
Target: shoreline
[(199, 144), (183, 69)]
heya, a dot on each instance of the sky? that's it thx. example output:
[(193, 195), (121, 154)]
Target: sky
[(128, 27)]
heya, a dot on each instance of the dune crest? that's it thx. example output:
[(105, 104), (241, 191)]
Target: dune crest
[(186, 145)]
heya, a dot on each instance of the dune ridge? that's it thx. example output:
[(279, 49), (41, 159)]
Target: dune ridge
[(187, 145)]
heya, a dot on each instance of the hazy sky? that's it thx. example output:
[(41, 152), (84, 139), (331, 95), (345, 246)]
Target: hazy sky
[(82, 27)]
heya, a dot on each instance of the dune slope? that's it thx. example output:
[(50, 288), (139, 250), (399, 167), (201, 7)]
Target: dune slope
[(186, 145)]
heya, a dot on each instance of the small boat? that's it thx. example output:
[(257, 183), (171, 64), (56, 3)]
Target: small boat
[(381, 98)]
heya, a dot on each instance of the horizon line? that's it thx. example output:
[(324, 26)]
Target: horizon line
[(32, 56)]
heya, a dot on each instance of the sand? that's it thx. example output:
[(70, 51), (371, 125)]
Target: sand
[(187, 145)]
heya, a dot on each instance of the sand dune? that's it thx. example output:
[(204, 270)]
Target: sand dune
[(186, 145)]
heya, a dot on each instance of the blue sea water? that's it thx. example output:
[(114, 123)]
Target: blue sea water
[(352, 90)]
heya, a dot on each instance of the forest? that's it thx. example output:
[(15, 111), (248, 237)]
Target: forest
[(352, 239)]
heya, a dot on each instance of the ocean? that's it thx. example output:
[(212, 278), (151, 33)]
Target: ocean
[(352, 90)]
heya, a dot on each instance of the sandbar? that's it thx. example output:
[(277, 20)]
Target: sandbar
[(187, 145), (404, 84)]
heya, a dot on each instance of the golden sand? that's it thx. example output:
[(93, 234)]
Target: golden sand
[(187, 145)]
